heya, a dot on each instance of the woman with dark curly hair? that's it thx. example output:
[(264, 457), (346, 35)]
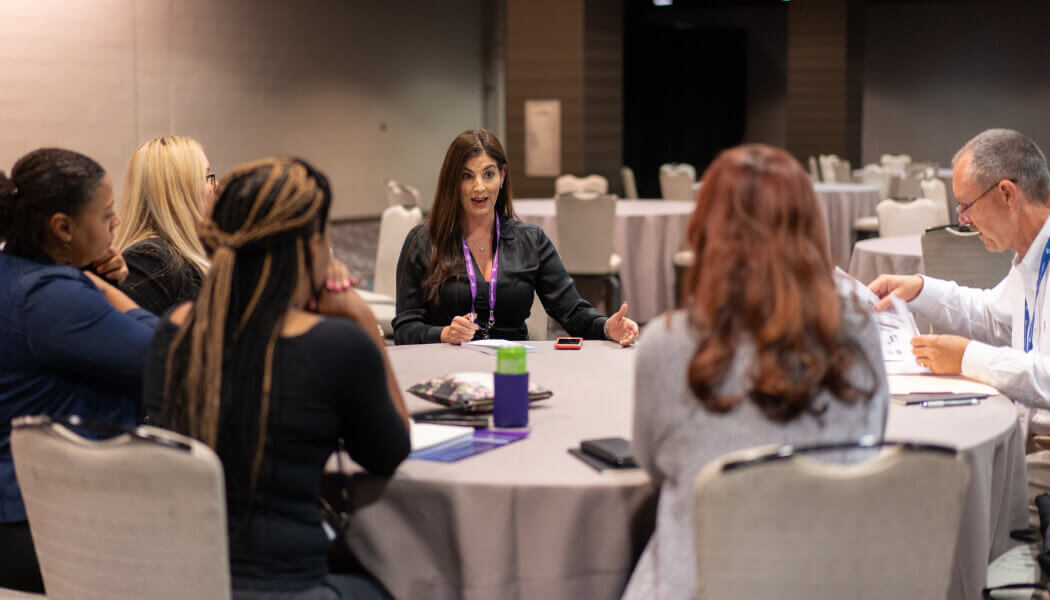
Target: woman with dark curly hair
[(71, 343), (767, 349)]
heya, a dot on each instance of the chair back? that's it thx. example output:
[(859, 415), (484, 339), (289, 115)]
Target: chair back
[(536, 323), (835, 169), (814, 171), (630, 188), (570, 183), (876, 175), (795, 528), (896, 162), (676, 181), (908, 218), (134, 516), (935, 190), (394, 226), (398, 194), (960, 256), (585, 231)]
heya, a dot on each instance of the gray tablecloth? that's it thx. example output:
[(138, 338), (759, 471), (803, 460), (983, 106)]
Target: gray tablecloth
[(646, 235), (900, 255), (530, 521), (844, 203), (997, 497)]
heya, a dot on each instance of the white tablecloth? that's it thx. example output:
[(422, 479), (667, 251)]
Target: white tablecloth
[(530, 521), (844, 203), (900, 255), (646, 235)]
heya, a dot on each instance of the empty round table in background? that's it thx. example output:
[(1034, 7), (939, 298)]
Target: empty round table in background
[(895, 255)]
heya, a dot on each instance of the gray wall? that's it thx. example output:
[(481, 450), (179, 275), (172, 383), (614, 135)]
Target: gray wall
[(366, 90), (936, 73)]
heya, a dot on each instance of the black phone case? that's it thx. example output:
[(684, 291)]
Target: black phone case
[(615, 451)]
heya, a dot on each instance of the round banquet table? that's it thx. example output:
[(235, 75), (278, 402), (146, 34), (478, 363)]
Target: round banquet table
[(528, 520), (646, 234), (899, 255), (842, 204)]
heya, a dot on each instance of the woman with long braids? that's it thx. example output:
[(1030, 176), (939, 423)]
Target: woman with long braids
[(272, 386), (768, 349), (70, 342), (471, 270)]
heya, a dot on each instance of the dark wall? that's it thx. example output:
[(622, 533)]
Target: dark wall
[(700, 77), (937, 73)]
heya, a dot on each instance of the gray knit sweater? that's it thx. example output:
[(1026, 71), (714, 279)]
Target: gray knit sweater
[(674, 435)]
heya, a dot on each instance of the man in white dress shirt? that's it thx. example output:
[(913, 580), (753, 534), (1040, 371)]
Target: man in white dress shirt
[(1001, 180)]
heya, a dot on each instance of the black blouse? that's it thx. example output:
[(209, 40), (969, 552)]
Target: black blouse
[(528, 263), (158, 278)]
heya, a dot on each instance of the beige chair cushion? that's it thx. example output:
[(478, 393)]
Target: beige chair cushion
[(676, 181), (585, 229), (801, 529), (123, 518), (684, 258), (567, 184), (908, 218)]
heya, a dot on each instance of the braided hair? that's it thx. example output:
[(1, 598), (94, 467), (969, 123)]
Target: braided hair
[(219, 368)]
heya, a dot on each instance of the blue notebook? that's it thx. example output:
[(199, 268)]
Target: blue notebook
[(483, 440)]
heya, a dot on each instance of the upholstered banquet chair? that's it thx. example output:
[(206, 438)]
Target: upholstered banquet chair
[(834, 169), (536, 323), (570, 183), (676, 181), (934, 190), (769, 523), (908, 218), (139, 515), (630, 188), (585, 240), (896, 162), (960, 256), (394, 226), (398, 194), (814, 170)]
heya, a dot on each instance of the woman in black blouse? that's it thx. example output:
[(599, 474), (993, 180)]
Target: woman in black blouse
[(168, 188), (471, 270)]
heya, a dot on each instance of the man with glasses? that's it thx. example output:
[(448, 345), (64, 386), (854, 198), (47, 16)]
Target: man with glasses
[(1001, 180)]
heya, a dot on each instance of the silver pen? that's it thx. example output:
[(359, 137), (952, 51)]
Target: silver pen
[(946, 403)]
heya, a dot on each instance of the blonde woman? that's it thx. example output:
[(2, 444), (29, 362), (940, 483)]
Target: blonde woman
[(167, 190)]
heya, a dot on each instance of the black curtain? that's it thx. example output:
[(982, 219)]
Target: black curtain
[(685, 92)]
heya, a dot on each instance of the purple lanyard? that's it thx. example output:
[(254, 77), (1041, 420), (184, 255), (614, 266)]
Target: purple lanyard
[(492, 278)]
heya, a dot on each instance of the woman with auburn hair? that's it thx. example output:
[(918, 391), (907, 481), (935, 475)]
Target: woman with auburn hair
[(71, 343), (167, 190), (768, 349), (272, 386), (471, 270)]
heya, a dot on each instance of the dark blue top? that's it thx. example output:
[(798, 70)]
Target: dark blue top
[(63, 350)]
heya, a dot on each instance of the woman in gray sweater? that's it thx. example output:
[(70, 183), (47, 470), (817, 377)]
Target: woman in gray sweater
[(768, 349)]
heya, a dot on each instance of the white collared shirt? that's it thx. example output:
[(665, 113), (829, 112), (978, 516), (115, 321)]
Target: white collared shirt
[(994, 321)]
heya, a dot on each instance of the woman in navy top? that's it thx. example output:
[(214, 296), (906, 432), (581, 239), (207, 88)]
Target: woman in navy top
[(70, 342)]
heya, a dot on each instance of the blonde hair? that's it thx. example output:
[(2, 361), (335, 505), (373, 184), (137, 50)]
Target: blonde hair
[(163, 197)]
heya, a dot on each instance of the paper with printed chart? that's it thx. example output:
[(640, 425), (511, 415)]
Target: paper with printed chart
[(896, 327)]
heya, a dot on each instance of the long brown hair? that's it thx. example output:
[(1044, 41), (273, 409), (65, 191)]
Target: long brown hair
[(446, 256), (220, 365), (762, 272)]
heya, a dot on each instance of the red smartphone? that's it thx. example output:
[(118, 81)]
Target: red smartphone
[(568, 343)]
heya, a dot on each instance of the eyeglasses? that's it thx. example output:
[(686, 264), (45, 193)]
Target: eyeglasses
[(965, 207)]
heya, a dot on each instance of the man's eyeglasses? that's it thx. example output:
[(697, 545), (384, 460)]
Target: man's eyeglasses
[(965, 207)]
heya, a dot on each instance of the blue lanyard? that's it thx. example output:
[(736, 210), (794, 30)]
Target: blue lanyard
[(1029, 323), (474, 280)]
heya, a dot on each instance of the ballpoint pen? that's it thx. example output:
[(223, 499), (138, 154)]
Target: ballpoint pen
[(946, 403)]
